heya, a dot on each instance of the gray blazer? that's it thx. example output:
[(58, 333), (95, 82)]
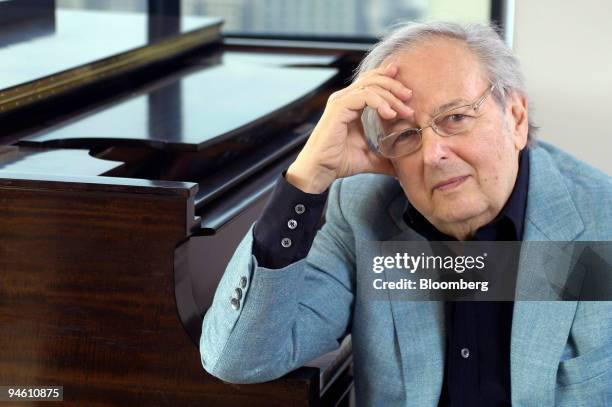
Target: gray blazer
[(561, 351)]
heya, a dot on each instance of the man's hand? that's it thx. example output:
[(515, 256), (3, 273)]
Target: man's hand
[(337, 146)]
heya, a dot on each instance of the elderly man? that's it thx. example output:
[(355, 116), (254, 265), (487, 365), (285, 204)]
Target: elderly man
[(445, 107)]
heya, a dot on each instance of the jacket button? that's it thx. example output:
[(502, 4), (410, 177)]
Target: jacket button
[(235, 303), (292, 224), (238, 294), (300, 209), (465, 353), (286, 242), (243, 282)]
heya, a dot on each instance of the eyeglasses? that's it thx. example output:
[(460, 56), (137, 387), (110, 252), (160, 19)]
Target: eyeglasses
[(458, 120)]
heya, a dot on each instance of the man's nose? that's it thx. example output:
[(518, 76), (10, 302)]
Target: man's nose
[(433, 147)]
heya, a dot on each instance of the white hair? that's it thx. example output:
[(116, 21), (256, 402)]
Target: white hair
[(499, 63)]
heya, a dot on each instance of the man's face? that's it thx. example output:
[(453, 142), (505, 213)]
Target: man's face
[(462, 182)]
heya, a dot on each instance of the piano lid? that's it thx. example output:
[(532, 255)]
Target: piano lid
[(52, 162), (220, 99), (87, 46)]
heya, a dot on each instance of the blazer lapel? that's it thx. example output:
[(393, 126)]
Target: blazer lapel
[(419, 326), (540, 329)]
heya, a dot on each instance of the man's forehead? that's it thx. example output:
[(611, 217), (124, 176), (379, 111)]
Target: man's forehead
[(440, 66)]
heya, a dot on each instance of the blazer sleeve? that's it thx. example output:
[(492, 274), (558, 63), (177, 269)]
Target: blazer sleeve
[(286, 317)]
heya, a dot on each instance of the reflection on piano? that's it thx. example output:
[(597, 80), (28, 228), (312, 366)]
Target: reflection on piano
[(135, 152)]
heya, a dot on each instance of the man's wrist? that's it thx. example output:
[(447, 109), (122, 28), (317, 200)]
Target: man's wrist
[(307, 179)]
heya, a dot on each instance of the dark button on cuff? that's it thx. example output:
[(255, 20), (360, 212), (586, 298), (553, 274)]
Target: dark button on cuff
[(286, 242), (465, 353), (292, 224)]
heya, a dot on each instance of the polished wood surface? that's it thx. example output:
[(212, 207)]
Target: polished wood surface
[(120, 204), (53, 161), (87, 302), (194, 110)]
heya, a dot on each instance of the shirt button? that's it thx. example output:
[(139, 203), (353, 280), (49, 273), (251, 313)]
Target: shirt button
[(243, 282), (286, 242), (235, 303), (465, 353), (292, 224), (300, 209), (238, 294)]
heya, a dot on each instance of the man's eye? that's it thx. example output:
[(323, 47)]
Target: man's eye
[(405, 136), (454, 118)]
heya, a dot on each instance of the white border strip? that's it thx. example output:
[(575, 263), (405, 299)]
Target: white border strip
[(509, 23)]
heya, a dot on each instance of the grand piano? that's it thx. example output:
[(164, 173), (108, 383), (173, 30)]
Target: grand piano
[(135, 151)]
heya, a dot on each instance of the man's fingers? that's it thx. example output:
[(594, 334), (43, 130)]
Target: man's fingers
[(384, 102), (390, 84), (389, 70), (380, 81), (376, 100), (360, 98), (396, 104), (376, 89)]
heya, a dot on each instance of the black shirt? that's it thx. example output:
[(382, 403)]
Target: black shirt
[(477, 369)]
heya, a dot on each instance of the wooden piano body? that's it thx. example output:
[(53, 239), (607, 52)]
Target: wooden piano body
[(127, 178)]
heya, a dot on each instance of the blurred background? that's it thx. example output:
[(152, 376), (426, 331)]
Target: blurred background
[(319, 18), (563, 47)]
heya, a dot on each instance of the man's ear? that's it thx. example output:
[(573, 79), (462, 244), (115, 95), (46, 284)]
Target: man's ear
[(518, 119)]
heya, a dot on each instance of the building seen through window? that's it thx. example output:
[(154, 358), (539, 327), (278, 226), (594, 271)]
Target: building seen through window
[(343, 19)]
